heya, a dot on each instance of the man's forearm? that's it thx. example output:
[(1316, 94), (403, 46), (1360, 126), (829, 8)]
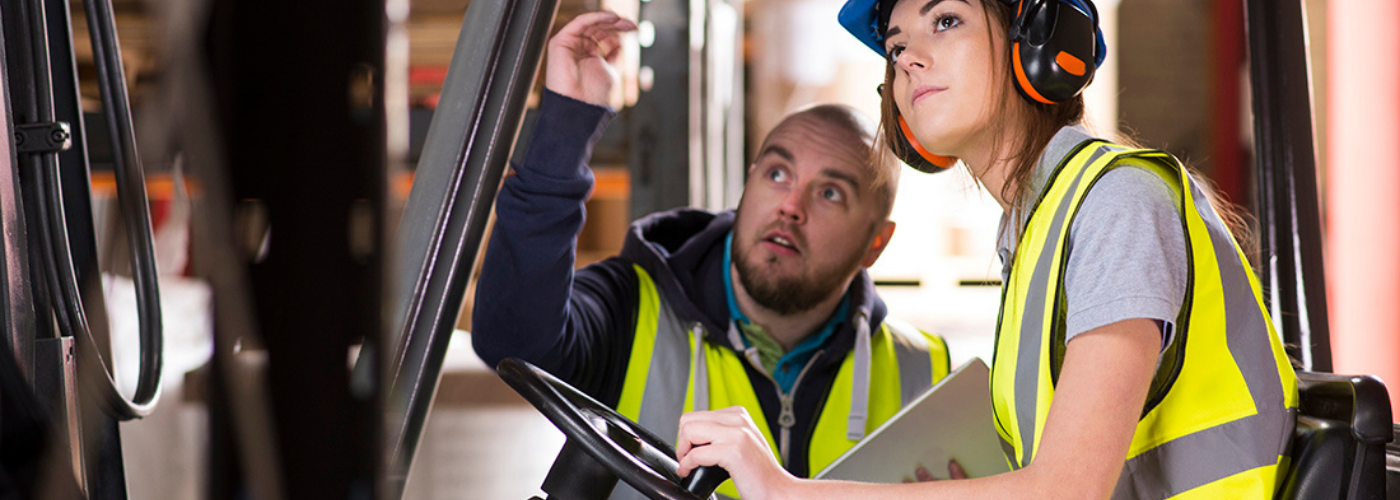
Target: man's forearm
[(522, 299)]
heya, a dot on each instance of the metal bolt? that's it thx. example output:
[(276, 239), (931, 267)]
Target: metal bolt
[(19, 138), (58, 136)]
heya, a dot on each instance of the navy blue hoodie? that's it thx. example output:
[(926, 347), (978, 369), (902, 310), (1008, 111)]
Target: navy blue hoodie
[(532, 304)]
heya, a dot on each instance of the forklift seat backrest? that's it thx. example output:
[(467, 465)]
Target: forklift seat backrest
[(1339, 444)]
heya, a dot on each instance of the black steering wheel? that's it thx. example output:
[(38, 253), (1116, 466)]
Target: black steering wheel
[(602, 445)]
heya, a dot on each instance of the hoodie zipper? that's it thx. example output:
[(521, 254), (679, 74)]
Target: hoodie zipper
[(787, 417)]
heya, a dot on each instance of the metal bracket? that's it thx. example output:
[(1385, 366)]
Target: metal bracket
[(44, 137)]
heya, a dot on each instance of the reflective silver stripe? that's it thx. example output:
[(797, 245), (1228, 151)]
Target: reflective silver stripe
[(1033, 321), (1184, 463), (663, 400), (1253, 354), (860, 379), (1197, 459), (915, 366), (702, 375)]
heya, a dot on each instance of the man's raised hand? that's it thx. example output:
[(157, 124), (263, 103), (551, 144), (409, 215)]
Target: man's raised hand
[(581, 57)]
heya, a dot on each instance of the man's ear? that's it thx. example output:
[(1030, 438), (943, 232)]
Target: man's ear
[(878, 244)]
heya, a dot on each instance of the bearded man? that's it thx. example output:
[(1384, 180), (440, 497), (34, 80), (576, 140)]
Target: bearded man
[(767, 306)]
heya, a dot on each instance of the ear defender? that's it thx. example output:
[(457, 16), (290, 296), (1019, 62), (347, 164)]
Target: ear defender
[(909, 151), (1055, 47), (914, 154)]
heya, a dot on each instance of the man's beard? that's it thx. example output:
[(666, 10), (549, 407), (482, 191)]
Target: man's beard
[(790, 295)]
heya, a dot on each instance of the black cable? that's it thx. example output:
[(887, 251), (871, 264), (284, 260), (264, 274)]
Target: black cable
[(63, 279), (135, 210), (48, 266)]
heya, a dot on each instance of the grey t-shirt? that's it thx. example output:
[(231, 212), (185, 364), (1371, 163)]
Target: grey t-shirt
[(1127, 250)]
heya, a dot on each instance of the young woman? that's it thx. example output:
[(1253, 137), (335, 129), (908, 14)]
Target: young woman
[(1133, 358)]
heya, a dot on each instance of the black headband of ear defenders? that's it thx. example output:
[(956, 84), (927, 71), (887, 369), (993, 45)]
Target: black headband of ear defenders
[(885, 7)]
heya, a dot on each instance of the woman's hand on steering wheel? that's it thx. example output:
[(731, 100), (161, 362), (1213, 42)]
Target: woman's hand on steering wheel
[(730, 439)]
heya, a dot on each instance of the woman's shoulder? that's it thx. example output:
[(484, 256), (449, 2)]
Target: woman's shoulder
[(1129, 187), (1129, 209)]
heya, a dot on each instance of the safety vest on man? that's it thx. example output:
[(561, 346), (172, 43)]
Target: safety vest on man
[(1221, 411), (879, 376)]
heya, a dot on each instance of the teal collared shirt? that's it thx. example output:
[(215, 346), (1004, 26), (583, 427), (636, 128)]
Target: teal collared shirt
[(790, 365)]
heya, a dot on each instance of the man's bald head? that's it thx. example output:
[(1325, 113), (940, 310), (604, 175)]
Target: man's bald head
[(854, 135)]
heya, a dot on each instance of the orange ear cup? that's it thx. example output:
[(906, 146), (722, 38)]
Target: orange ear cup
[(933, 159)]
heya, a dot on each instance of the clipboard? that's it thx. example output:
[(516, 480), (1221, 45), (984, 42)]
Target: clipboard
[(952, 420)]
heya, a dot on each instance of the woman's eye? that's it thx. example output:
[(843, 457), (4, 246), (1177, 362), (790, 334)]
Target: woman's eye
[(832, 194), (946, 21), (895, 51)]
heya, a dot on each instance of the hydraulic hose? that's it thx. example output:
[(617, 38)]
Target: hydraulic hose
[(135, 209), (56, 289)]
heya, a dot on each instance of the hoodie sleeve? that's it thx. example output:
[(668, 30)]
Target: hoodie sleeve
[(529, 302)]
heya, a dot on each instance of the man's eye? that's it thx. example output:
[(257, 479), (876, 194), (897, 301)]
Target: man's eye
[(833, 194), (777, 175)]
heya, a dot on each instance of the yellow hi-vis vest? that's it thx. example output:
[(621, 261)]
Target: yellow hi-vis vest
[(1221, 414), (673, 370), (1224, 402)]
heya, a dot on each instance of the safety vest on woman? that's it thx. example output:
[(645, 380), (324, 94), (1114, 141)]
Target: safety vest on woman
[(879, 376), (1221, 412)]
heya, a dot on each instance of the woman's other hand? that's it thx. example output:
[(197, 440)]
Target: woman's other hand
[(922, 475)]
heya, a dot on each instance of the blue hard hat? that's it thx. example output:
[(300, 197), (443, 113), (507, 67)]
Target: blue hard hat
[(862, 18)]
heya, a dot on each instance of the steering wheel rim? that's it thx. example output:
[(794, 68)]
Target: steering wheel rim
[(573, 412)]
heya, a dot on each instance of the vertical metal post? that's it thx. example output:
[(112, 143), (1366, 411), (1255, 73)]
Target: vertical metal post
[(16, 295), (723, 106), (660, 126), (56, 381), (301, 104), (1290, 224), (469, 143), (23, 106)]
